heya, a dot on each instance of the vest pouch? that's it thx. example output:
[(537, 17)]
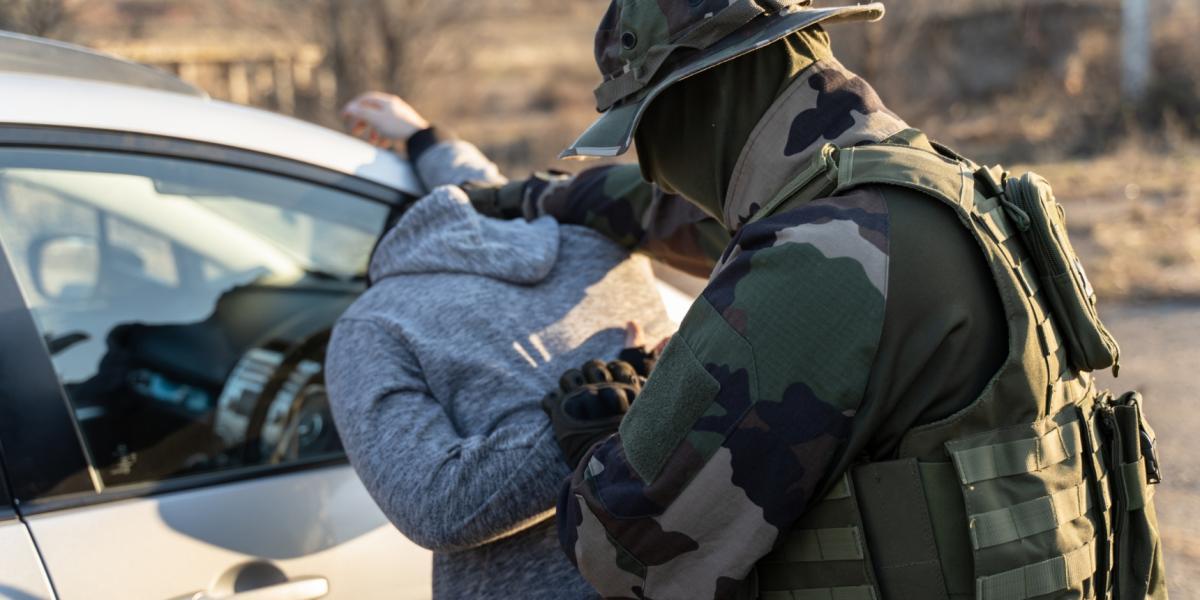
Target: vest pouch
[(1133, 468), (1030, 509), (1041, 221)]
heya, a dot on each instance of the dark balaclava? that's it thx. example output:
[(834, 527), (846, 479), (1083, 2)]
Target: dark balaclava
[(692, 135)]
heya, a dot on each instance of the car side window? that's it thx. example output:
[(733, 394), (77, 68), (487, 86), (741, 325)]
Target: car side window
[(185, 305)]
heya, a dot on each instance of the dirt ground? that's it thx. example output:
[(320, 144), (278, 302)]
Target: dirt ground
[(1160, 356)]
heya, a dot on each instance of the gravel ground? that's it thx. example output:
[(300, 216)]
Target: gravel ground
[(1160, 348)]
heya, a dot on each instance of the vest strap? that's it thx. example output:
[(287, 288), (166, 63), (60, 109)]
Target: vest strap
[(817, 179), (1046, 577), (907, 167), (1028, 277), (1133, 480), (829, 558), (996, 221), (1028, 455), (1101, 493), (815, 545), (1031, 517)]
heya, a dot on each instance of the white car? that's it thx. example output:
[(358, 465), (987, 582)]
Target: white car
[(170, 268)]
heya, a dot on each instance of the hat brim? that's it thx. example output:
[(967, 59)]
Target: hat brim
[(612, 134)]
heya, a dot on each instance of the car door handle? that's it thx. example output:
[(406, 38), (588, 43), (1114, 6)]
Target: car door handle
[(308, 588)]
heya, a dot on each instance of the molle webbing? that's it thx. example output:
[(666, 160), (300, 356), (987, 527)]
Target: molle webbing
[(825, 563), (1031, 517), (1056, 574), (1027, 455)]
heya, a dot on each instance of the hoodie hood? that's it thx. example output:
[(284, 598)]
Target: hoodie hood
[(442, 233)]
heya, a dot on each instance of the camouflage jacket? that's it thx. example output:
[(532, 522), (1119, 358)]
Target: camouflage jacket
[(797, 359), (615, 201)]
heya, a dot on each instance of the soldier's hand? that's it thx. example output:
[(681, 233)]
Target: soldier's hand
[(382, 119), (588, 405), (498, 202), (525, 198)]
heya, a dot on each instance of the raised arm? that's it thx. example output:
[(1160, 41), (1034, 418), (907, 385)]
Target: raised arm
[(615, 201), (612, 199), (443, 490), (439, 157)]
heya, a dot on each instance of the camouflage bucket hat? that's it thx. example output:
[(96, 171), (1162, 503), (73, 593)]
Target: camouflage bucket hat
[(645, 46)]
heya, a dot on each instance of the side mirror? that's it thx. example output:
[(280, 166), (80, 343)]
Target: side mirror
[(65, 268)]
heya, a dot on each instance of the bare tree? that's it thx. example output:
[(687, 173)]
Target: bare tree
[(35, 17), (342, 53), (1135, 50), (45, 17), (9, 14), (383, 44), (407, 29)]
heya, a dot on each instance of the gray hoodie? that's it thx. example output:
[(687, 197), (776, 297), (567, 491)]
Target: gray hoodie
[(435, 375)]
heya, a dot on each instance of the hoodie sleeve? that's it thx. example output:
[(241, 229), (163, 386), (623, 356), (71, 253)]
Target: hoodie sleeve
[(441, 159), (444, 491), (617, 202)]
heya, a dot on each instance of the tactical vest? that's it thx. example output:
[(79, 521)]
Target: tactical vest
[(1040, 488)]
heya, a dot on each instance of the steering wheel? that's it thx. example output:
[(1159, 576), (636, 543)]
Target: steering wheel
[(291, 418)]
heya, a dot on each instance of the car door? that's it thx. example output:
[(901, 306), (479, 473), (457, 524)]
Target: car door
[(163, 413), (22, 577)]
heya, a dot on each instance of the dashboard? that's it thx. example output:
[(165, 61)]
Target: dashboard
[(243, 386)]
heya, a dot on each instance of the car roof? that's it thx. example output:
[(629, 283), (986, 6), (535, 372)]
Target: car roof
[(60, 101), (27, 54)]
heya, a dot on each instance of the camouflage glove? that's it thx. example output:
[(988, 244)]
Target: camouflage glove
[(527, 199), (589, 404)]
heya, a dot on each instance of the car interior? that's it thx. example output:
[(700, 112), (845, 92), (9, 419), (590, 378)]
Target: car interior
[(177, 362)]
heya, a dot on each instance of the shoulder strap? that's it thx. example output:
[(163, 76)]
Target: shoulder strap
[(833, 170), (816, 180), (904, 166)]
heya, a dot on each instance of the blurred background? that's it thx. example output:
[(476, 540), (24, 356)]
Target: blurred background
[(1100, 96), (1103, 96)]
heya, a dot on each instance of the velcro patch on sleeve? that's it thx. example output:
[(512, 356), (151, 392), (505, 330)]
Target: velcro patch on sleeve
[(677, 394)]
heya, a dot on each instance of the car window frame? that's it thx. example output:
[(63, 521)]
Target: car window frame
[(49, 467), (8, 511)]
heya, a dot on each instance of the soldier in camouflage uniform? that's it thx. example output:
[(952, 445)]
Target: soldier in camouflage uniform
[(852, 327)]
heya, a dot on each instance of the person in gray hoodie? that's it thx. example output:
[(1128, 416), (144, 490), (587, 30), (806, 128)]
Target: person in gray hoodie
[(435, 374)]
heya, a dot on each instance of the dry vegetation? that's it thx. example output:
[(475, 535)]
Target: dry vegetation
[(1028, 84), (1012, 81), (1136, 217)]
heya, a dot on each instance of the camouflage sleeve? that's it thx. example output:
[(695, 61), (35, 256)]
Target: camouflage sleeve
[(747, 413), (615, 201)]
